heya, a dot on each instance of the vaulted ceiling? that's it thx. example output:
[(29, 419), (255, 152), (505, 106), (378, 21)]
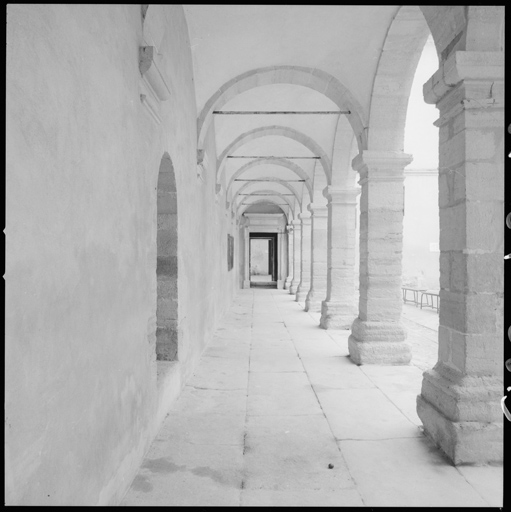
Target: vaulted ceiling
[(251, 61)]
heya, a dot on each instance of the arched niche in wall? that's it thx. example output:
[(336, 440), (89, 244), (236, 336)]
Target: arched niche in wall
[(167, 264)]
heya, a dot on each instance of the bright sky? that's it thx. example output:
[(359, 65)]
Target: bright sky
[(421, 136)]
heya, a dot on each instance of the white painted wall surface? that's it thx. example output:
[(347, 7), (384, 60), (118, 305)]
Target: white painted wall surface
[(82, 159)]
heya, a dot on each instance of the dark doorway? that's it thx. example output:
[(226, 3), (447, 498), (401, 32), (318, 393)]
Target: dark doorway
[(263, 260)]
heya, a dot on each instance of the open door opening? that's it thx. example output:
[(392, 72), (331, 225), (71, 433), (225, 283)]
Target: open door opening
[(263, 260)]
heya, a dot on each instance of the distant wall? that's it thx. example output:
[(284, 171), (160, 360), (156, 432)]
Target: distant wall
[(82, 159)]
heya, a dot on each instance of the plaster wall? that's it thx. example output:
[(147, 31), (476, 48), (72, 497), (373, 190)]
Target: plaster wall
[(82, 160)]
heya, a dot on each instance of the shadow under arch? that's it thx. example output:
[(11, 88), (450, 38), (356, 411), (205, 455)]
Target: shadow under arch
[(275, 130), (241, 208), (288, 164), (312, 78), (167, 326), (275, 192)]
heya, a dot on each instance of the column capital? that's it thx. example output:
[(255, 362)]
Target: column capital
[(381, 165), (290, 227), (297, 224), (460, 66), (341, 195), (305, 217), (318, 210)]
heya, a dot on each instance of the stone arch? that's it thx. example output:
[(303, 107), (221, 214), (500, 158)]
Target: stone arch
[(276, 180), (312, 78), (241, 209), (267, 131), (400, 55), (274, 161), (167, 338), (465, 27)]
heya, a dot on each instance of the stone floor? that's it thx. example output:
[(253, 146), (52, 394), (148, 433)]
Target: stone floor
[(276, 414)]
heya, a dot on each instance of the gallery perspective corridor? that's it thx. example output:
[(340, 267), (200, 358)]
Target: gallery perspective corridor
[(212, 214), (277, 414)]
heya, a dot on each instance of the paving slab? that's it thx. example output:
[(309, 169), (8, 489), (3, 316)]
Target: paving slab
[(181, 474), (324, 378), (293, 453), (487, 480), (299, 498), (219, 364), (231, 352), (270, 344), (232, 380), (364, 414), (275, 399), (210, 401), (406, 473), (327, 364), (204, 429), (274, 360), (288, 393), (400, 384), (314, 348)]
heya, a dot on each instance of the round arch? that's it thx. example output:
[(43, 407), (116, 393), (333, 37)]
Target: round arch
[(276, 180), (241, 208), (312, 78), (398, 61), (274, 161), (268, 131)]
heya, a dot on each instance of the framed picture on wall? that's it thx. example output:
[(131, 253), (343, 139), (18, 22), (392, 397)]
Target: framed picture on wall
[(230, 252)]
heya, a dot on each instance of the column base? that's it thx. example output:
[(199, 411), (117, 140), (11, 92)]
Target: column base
[(336, 315), (280, 284), (246, 284), (287, 284), (378, 343), (462, 414), (464, 442), (313, 301), (293, 287), (301, 294)]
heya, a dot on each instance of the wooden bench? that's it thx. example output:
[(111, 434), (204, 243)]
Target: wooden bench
[(415, 292), (434, 295)]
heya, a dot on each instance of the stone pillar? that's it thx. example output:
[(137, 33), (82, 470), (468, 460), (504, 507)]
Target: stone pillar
[(246, 280), (339, 309), (377, 335), (290, 246), (459, 404), (280, 261), (297, 255), (319, 234), (305, 267)]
